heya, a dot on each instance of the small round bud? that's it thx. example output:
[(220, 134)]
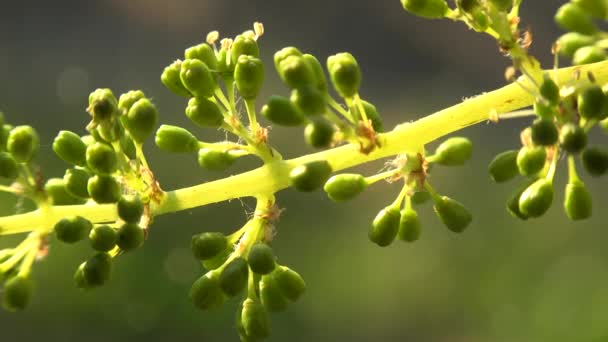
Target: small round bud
[(544, 110), (432, 9), (72, 229), (243, 46), (208, 245), (467, 5), (271, 296), (249, 76), (289, 282), (577, 202), (591, 102), (385, 226), (588, 55), (233, 278), (454, 151), (595, 160), (56, 189), (344, 73), (570, 42), (141, 120), (571, 17), (549, 91), (282, 54), (315, 65), (69, 147), (261, 258), (372, 114), (215, 160), (171, 79), (130, 208), (206, 293), (281, 111), (595, 8), (296, 72), (504, 166), (572, 138), (128, 99), (452, 214), (310, 176), (544, 132), (76, 181), (101, 158), (531, 160), (103, 238), (102, 105), (8, 166), (175, 139), (204, 53), (255, 320), (319, 134), (96, 270), (513, 201), (345, 186), (309, 100), (104, 189), (5, 130), (409, 226), (537, 198), (17, 293), (197, 78), (130, 237), (224, 68), (204, 113), (23, 143)]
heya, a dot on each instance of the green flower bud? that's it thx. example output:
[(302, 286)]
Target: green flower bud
[(432, 9), (453, 214), (372, 114), (504, 166), (420, 197), (544, 110), (595, 160), (130, 208), (204, 53), (76, 181), (69, 147), (290, 283), (502, 5), (310, 176), (204, 113), (171, 79), (104, 189), (102, 105), (96, 270), (206, 292), (255, 320), (215, 160), (591, 102), (261, 258), (223, 66), (385, 226), (452, 152), (111, 130), (17, 293), (56, 189), (345, 186), (544, 132), (243, 45), (572, 138), (8, 166), (467, 5), (282, 54), (271, 296), (577, 203), (5, 130), (344, 73), (175, 139), (101, 158), (319, 134), (233, 278), (572, 18), (549, 91), (531, 160), (103, 238), (72, 229), (128, 99), (281, 111), (513, 201), (570, 42), (128, 147), (208, 245), (409, 226), (595, 8), (130, 237), (537, 198), (317, 69), (249, 76), (197, 78), (297, 72), (588, 55), (23, 143), (141, 120)]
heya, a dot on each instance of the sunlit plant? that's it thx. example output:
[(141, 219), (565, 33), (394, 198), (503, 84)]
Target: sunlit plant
[(109, 196)]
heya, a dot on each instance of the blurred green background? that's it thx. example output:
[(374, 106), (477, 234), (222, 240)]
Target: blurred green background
[(502, 280)]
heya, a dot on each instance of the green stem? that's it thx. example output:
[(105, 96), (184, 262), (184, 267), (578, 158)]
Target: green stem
[(572, 174)]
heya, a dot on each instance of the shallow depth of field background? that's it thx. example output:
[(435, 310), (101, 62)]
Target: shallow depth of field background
[(502, 280)]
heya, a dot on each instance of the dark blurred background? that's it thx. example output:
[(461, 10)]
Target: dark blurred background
[(502, 280)]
